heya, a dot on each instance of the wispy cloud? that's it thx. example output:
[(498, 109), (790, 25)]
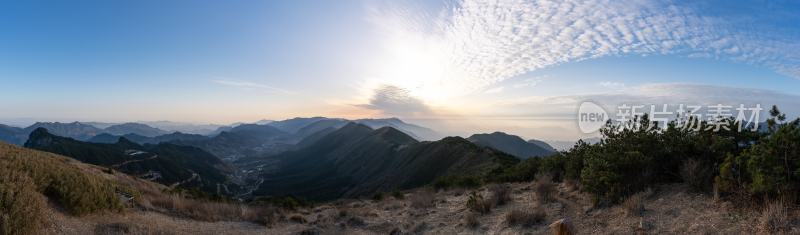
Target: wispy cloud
[(484, 42), (672, 94), (251, 86), (494, 90)]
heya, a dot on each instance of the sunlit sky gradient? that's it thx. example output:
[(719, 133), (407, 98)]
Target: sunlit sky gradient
[(459, 67)]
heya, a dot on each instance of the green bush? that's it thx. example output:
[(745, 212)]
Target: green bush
[(398, 195), (771, 167), (378, 196)]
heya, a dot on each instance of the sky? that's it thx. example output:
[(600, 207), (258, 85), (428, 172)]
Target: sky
[(457, 66)]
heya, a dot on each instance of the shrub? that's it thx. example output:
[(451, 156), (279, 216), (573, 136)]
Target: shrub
[(478, 203), (697, 174), (21, 207), (298, 219), (471, 220), (634, 205), (423, 199), (521, 172), (377, 196), (398, 195), (526, 217), (775, 218), (544, 189), (500, 194), (127, 228), (288, 203)]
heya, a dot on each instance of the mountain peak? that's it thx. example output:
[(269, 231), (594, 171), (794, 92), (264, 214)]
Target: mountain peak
[(394, 135), (39, 131), (511, 144)]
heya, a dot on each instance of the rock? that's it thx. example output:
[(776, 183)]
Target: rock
[(396, 231)]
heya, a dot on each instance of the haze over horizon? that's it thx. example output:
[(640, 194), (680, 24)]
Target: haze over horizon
[(456, 66)]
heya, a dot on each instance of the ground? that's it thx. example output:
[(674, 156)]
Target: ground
[(669, 209)]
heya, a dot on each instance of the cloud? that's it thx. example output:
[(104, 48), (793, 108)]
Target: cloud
[(494, 90), (394, 100), (612, 85), (484, 42), (529, 82), (672, 94), (251, 86)]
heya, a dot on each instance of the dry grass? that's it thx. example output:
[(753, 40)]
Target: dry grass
[(78, 192), (544, 189), (634, 205), (128, 229), (562, 227), (423, 199), (526, 217), (471, 220), (500, 194), (21, 206), (479, 204), (209, 210), (775, 218)]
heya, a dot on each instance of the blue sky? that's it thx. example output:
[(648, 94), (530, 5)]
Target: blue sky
[(450, 65)]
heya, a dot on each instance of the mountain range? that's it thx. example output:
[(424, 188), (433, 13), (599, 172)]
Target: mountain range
[(356, 160), (513, 145), (165, 163)]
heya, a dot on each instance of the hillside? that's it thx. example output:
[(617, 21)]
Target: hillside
[(512, 144), (12, 135), (139, 139), (164, 163), (669, 209), (243, 140), (75, 130), (356, 160), (134, 128)]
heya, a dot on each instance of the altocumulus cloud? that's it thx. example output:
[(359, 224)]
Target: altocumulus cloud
[(484, 42), (395, 101)]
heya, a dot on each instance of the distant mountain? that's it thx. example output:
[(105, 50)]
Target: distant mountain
[(311, 129), (542, 144), (174, 137), (291, 126), (307, 126), (244, 140), (134, 128), (188, 128), (75, 130), (418, 132), (12, 135), (263, 122), (168, 164), (101, 125), (356, 160), (104, 138), (511, 144)]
